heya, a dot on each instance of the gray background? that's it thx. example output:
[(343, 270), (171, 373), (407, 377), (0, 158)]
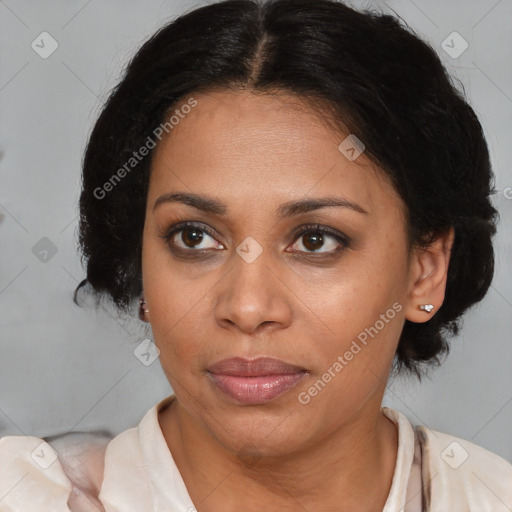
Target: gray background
[(67, 368)]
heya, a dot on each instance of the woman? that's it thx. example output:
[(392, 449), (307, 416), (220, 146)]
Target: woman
[(299, 198)]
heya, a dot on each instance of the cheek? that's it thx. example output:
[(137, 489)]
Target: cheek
[(181, 334), (355, 367), (169, 292), (168, 303), (352, 296), (362, 308)]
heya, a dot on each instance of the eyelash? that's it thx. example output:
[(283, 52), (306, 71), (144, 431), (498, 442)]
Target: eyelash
[(343, 240)]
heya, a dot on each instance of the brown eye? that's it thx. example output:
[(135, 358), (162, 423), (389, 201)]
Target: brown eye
[(319, 239), (191, 237), (313, 241)]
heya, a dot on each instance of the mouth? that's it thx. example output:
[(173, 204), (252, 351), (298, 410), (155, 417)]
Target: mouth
[(255, 381)]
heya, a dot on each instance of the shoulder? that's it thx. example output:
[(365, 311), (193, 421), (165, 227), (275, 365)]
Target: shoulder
[(29, 469), (63, 474), (460, 473)]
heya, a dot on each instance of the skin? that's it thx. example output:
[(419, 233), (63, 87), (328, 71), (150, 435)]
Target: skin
[(253, 153)]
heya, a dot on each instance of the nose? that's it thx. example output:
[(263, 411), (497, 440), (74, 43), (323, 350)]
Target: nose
[(253, 298)]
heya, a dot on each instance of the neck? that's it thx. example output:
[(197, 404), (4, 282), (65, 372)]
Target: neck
[(351, 469)]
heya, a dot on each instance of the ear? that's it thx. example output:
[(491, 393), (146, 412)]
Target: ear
[(428, 271)]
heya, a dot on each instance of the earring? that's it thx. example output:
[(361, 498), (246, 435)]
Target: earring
[(426, 307), (142, 303)]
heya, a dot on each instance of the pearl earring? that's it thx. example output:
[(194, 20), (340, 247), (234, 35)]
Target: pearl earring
[(142, 303)]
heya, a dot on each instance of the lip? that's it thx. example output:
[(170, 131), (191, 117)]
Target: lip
[(261, 366), (255, 381)]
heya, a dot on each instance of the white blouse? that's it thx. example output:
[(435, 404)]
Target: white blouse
[(140, 474)]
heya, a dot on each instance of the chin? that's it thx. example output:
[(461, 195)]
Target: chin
[(257, 432)]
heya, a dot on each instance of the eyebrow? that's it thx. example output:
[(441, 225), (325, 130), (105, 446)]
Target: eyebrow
[(288, 209)]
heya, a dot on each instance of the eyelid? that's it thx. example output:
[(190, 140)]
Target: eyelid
[(315, 227), (341, 238), (180, 226)]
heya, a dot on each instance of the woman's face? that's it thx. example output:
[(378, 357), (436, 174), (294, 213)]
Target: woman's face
[(254, 278)]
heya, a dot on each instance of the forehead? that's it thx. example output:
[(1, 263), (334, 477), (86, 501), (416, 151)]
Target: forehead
[(245, 147)]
